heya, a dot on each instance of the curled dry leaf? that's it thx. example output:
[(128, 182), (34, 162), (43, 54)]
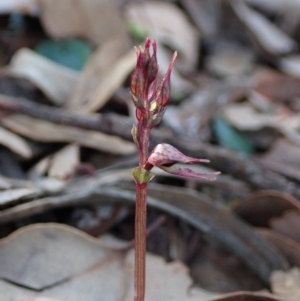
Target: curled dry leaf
[(45, 131), (168, 24), (95, 20), (59, 262), (54, 80), (15, 143), (269, 37)]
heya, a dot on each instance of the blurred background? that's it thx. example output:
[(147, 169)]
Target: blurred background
[(66, 150)]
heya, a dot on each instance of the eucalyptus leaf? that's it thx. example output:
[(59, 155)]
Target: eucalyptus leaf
[(72, 53), (229, 137)]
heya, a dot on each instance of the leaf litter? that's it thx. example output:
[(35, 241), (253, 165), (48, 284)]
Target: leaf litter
[(238, 62)]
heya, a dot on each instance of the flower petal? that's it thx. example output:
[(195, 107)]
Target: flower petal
[(165, 154), (189, 173)]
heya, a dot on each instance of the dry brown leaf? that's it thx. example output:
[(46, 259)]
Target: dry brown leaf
[(15, 143), (95, 20), (68, 265), (64, 162), (21, 6), (55, 80), (45, 131), (95, 71), (168, 24), (270, 37), (286, 284)]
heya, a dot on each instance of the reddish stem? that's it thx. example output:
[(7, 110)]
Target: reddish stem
[(140, 241), (141, 221)]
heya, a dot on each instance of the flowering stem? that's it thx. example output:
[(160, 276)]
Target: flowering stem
[(150, 101), (140, 241), (141, 220)]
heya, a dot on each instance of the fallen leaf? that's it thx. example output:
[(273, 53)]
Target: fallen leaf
[(168, 24), (112, 80), (286, 284), (15, 143), (58, 262), (276, 86), (260, 207), (54, 80), (282, 157), (287, 246), (288, 224), (64, 162), (269, 37), (45, 131), (229, 137), (71, 53), (229, 60), (97, 69), (244, 117), (97, 21)]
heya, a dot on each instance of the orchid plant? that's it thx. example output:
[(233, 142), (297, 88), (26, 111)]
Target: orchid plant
[(151, 102)]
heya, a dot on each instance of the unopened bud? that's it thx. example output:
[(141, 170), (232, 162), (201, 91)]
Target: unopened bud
[(164, 89)]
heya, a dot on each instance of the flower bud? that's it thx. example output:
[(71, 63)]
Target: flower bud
[(164, 89), (145, 72)]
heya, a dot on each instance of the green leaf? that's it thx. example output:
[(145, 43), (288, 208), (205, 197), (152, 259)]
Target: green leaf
[(72, 53), (141, 175), (229, 137)]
